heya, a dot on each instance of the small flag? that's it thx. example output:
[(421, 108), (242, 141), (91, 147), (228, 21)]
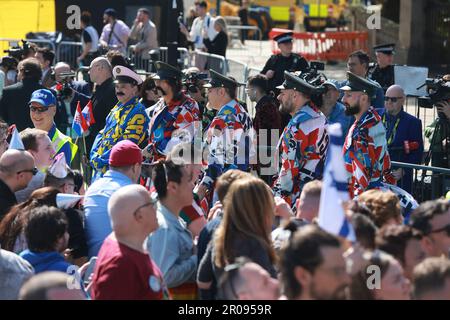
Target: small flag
[(16, 141), (79, 125), (88, 114), (67, 200), (334, 193)]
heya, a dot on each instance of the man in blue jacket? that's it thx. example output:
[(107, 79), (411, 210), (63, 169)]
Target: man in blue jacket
[(403, 135)]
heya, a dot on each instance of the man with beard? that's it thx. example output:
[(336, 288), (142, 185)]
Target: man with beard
[(230, 136), (365, 151), (303, 143), (313, 267), (126, 121), (175, 117)]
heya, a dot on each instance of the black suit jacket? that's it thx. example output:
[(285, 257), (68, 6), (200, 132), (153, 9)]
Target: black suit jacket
[(14, 107)]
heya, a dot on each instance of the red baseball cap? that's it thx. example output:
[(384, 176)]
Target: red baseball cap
[(125, 153)]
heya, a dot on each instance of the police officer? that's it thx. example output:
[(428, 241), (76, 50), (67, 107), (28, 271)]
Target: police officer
[(175, 117), (286, 60), (230, 136), (366, 156), (383, 71), (126, 121), (304, 141), (42, 113)]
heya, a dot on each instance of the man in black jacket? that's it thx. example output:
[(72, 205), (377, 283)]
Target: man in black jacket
[(104, 97), (14, 107)]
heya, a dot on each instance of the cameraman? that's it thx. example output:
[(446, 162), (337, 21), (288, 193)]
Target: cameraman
[(14, 101), (70, 93), (193, 86)]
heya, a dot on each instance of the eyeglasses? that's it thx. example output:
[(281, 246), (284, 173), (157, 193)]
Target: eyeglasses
[(34, 171), (38, 110), (446, 229), (393, 99), (153, 203)]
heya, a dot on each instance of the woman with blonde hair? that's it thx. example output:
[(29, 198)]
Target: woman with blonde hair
[(219, 44), (244, 231)]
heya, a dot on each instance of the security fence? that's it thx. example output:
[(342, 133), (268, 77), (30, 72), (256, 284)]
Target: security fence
[(428, 182)]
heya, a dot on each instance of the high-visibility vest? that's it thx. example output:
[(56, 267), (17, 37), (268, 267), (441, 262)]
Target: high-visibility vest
[(58, 141)]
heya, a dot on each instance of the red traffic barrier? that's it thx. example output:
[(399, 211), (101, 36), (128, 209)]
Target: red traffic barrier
[(324, 46)]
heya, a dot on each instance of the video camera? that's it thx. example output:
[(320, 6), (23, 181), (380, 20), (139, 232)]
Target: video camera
[(18, 52), (64, 87), (191, 80), (312, 74), (438, 90)]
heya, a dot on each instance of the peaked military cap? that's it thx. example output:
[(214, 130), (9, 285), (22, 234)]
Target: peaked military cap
[(356, 83), (166, 71), (388, 48), (284, 37), (125, 75), (291, 81), (218, 80)]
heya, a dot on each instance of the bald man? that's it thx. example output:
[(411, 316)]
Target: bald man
[(403, 135), (16, 171), (124, 269), (246, 280), (104, 97)]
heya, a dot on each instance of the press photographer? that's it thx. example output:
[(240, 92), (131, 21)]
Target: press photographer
[(438, 133), (193, 82), (68, 92)]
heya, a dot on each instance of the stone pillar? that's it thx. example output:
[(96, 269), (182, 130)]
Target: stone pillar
[(411, 44)]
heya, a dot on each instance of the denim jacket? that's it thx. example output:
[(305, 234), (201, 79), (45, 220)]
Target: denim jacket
[(171, 247)]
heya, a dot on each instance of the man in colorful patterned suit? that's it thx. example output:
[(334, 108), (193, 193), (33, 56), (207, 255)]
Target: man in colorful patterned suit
[(304, 141), (365, 151), (175, 117), (230, 136), (126, 121)]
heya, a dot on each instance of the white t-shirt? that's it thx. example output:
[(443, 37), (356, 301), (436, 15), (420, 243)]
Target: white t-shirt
[(198, 26)]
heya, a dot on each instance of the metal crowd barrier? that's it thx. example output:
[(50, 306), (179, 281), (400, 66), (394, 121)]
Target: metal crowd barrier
[(206, 61), (68, 51), (159, 54), (428, 182)]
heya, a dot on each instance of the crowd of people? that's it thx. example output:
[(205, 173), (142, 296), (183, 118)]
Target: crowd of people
[(174, 191)]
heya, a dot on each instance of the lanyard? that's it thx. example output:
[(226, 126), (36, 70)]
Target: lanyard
[(394, 129)]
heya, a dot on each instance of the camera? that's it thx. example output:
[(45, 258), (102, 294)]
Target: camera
[(191, 80), (64, 88), (438, 90), (18, 52), (312, 74)]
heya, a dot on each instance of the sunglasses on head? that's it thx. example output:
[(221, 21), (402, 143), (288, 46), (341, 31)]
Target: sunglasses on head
[(445, 228), (393, 99)]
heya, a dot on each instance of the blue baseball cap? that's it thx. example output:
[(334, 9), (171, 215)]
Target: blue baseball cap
[(44, 97)]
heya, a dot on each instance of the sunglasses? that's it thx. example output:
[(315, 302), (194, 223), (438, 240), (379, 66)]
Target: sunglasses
[(446, 229), (34, 171), (393, 99), (38, 110)]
